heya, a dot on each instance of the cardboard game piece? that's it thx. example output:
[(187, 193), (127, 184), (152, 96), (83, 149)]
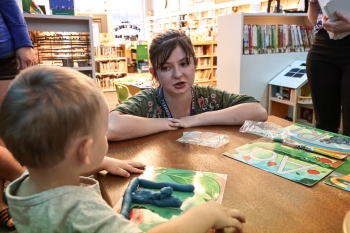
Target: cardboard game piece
[(208, 187)]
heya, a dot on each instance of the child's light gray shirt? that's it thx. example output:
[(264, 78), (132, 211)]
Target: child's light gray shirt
[(65, 209)]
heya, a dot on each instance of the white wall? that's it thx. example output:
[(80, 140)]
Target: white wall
[(158, 9)]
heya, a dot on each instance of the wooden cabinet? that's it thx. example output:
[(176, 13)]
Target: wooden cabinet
[(63, 41), (250, 74), (293, 104)]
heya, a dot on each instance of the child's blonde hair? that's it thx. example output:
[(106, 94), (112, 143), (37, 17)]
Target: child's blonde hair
[(45, 109)]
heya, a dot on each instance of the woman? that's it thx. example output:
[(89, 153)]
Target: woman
[(177, 103), (328, 70)]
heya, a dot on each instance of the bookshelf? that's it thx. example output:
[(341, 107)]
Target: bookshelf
[(63, 41), (206, 53), (250, 74), (191, 19), (111, 63)]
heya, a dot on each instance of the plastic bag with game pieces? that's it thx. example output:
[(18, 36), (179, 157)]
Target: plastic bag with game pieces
[(265, 129), (209, 139)]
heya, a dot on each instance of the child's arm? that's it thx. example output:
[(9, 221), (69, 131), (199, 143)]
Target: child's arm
[(203, 218), (123, 126), (119, 167), (235, 115)]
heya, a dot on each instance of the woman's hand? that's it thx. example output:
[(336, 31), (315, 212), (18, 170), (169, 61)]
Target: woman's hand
[(339, 26), (24, 57)]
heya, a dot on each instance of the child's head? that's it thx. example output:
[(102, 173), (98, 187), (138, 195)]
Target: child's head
[(46, 109), (164, 44)]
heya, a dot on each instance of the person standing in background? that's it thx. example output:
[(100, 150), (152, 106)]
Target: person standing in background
[(328, 70), (16, 48), (16, 53)]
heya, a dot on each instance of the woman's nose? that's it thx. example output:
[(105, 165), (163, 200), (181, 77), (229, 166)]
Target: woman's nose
[(177, 72)]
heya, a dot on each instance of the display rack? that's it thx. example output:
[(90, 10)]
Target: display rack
[(63, 41)]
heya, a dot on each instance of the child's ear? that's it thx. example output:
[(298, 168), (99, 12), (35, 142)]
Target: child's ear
[(83, 151)]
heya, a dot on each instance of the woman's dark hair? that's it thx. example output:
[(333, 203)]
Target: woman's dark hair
[(164, 44)]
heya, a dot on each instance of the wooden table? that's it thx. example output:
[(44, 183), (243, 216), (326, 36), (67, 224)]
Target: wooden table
[(269, 202)]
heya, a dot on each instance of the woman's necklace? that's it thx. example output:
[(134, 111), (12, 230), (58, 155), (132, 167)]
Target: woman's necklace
[(165, 105)]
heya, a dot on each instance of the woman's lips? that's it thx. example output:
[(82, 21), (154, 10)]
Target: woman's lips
[(179, 85)]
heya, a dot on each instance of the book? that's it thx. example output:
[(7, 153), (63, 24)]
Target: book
[(299, 165), (320, 139), (209, 187), (62, 7), (329, 9), (293, 164), (340, 177)]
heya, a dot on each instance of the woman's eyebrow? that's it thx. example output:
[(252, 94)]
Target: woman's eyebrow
[(182, 59)]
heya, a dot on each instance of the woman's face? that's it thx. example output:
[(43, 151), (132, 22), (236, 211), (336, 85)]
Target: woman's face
[(177, 75)]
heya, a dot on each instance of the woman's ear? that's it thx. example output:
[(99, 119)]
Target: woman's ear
[(196, 62)]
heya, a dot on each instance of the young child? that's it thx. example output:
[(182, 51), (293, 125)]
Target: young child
[(177, 103), (54, 121)]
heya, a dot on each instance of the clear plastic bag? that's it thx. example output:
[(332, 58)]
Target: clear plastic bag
[(209, 139), (264, 129)]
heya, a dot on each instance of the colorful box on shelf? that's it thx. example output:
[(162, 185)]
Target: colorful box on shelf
[(62, 7), (143, 67)]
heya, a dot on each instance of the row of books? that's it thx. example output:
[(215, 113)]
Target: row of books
[(264, 39), (202, 74), (200, 50), (106, 81), (108, 51), (110, 66), (203, 62)]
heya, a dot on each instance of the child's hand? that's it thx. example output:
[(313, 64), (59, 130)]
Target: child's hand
[(225, 217), (122, 167)]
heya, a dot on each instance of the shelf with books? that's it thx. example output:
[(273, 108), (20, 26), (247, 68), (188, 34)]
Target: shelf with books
[(206, 61), (63, 41), (250, 74), (281, 38), (111, 63)]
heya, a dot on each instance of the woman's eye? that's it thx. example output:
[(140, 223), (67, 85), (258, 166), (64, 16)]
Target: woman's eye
[(184, 63), (165, 68)]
